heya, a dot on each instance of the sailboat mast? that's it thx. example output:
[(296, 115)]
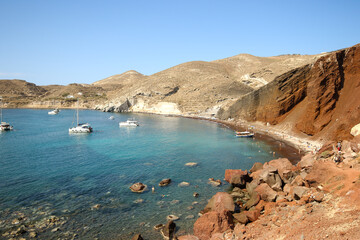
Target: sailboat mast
[(1, 109), (77, 113)]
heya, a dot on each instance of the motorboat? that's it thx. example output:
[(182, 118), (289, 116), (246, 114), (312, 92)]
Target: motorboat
[(129, 123), (80, 127), (245, 134), (54, 112), (111, 118), (4, 126)]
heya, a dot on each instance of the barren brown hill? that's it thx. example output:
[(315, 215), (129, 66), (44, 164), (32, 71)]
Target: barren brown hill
[(112, 85), (15, 87), (197, 87), (319, 99), (58, 91)]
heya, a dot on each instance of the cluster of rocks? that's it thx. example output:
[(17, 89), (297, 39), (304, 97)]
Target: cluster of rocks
[(255, 193), (23, 228)]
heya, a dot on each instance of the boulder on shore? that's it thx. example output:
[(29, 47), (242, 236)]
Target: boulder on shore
[(256, 167), (237, 177), (266, 193), (213, 222), (219, 202)]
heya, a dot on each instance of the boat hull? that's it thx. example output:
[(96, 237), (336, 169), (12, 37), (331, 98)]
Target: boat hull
[(5, 127), (81, 129)]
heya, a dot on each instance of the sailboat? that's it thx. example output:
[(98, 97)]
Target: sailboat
[(80, 127), (3, 125)]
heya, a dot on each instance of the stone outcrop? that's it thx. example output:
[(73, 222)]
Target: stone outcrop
[(266, 192), (318, 98), (219, 202), (213, 222), (237, 177)]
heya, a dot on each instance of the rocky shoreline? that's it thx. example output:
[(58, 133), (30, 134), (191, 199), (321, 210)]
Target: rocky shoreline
[(279, 200)]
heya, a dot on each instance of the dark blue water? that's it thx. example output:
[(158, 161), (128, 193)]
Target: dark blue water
[(46, 172)]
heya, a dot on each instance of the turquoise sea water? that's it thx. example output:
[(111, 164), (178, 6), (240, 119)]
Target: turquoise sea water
[(45, 171)]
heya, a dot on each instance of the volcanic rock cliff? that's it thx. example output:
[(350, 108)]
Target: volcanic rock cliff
[(318, 99)]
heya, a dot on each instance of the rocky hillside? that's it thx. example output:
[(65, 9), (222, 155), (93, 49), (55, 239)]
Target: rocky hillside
[(318, 99), (20, 91), (196, 88), (193, 88)]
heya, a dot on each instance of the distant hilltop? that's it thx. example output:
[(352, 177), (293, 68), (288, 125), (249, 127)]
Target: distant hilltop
[(310, 94)]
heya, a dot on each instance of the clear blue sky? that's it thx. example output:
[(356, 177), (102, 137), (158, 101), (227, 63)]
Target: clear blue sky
[(67, 41)]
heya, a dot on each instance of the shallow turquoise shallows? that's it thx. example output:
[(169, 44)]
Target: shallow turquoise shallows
[(45, 171)]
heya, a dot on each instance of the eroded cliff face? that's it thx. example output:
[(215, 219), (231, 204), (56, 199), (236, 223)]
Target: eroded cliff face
[(324, 97)]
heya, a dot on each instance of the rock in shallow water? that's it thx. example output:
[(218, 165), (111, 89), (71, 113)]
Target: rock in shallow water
[(168, 231), (165, 182), (184, 184), (138, 187), (172, 218), (157, 227), (214, 182), (191, 164)]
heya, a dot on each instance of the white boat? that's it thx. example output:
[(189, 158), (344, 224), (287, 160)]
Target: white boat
[(245, 134), (111, 118), (129, 123), (80, 127), (54, 112), (4, 126)]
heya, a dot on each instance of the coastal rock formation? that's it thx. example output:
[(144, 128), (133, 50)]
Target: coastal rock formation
[(315, 99), (320, 189), (195, 88)]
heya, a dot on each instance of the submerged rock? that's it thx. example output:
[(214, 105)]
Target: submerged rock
[(158, 227), (172, 217), (184, 184), (191, 164), (138, 187), (138, 201), (96, 206)]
